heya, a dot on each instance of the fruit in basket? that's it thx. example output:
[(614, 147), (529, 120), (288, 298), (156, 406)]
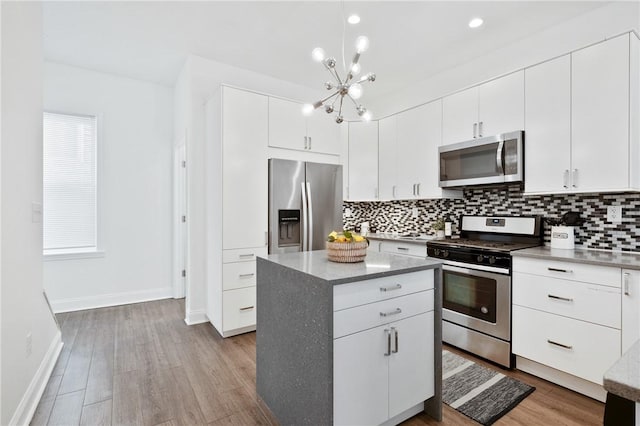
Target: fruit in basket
[(345, 237)]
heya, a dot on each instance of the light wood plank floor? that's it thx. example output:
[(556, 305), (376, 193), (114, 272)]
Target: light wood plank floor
[(141, 365)]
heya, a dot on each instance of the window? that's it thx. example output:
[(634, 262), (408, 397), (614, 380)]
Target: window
[(69, 179)]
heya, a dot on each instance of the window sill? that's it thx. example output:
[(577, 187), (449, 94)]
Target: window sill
[(73, 256)]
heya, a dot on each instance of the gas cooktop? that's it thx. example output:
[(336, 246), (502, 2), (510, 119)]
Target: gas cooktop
[(500, 246)]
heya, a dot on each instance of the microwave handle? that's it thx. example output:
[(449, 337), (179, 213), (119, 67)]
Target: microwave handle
[(500, 157)]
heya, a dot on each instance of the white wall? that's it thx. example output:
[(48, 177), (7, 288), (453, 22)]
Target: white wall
[(134, 189), (24, 309), (581, 31), (203, 77)]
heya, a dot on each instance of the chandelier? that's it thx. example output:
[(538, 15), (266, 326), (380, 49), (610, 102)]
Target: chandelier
[(350, 86)]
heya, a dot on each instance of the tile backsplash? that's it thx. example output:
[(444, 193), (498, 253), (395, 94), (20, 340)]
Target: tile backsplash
[(596, 232)]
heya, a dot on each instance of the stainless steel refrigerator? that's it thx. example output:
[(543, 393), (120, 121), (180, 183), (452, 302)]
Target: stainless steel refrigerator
[(305, 204)]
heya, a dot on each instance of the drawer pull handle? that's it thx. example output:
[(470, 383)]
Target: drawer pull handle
[(247, 308), (567, 271), (566, 299), (627, 288), (246, 275), (247, 255), (395, 336), (402, 248), (559, 344), (389, 313), (391, 287), (388, 334)]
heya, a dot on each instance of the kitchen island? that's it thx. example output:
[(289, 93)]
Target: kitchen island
[(341, 343)]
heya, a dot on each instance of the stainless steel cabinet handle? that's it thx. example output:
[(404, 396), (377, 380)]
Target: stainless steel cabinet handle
[(566, 271), (627, 287), (246, 275), (395, 338), (396, 311), (480, 129), (414, 189), (559, 344), (309, 142), (247, 308), (565, 178), (391, 287), (574, 178), (306, 144), (566, 299), (246, 255), (417, 189), (388, 334), (402, 248), (393, 191), (475, 129)]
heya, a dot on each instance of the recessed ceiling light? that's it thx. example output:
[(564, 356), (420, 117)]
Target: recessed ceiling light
[(475, 22), (353, 19)]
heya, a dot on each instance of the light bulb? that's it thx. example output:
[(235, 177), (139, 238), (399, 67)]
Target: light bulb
[(355, 91), (307, 109), (362, 44), (318, 54), (366, 116), (353, 19), (475, 22), (355, 69)]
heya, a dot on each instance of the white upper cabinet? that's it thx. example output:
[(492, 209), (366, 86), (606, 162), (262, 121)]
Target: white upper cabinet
[(363, 161), (600, 116), (388, 157), (548, 126), (488, 109), (290, 129), (245, 169)]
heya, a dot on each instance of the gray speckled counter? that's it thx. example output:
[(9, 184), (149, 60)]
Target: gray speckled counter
[(623, 379), (294, 336), (382, 236), (593, 257)]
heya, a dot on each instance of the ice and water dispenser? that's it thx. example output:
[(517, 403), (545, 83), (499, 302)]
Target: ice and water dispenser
[(288, 228)]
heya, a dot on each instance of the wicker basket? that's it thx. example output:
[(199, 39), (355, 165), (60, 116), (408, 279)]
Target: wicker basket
[(347, 252)]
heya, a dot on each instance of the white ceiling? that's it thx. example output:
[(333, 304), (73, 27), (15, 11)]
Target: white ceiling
[(410, 41)]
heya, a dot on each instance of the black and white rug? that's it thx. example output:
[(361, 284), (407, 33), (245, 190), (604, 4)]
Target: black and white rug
[(478, 392)]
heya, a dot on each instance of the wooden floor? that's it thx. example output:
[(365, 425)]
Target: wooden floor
[(140, 364)]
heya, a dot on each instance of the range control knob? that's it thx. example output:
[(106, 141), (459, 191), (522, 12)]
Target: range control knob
[(492, 259), (480, 257), (484, 310), (445, 253), (436, 252)]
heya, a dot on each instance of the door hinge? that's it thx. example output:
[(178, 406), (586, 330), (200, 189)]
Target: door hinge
[(184, 163), (184, 218), (184, 273)]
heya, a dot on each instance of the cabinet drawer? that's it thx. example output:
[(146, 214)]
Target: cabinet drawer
[(238, 275), (569, 271), (348, 321), (239, 308), (243, 255), (590, 349), (588, 302), (363, 292), (408, 249)]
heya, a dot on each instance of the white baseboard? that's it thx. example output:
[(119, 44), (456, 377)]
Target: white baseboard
[(114, 299), (196, 317), (29, 402)]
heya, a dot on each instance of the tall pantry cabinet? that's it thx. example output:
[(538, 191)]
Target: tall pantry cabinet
[(238, 198)]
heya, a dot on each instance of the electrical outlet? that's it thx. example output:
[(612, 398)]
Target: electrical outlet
[(414, 212), (614, 214), (347, 212), (29, 345)]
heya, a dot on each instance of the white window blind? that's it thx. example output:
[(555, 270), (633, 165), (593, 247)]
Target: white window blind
[(69, 175)]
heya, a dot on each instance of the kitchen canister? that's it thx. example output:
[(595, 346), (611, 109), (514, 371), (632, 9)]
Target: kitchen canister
[(562, 237)]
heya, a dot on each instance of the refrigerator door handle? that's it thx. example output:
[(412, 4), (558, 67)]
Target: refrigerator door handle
[(310, 217), (305, 217)]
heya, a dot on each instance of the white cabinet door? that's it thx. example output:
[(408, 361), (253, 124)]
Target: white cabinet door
[(411, 363), (388, 157), (501, 105), (600, 115), (548, 126), (323, 133), (427, 175), (287, 125), (412, 150), (363, 161), (360, 378), (244, 165), (630, 308), (459, 116)]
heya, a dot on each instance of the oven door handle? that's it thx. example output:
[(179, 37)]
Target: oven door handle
[(480, 270)]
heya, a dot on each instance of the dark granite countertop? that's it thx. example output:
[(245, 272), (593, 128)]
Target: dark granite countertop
[(578, 255), (375, 265), (623, 379)]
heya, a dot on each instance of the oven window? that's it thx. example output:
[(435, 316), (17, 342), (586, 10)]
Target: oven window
[(470, 295)]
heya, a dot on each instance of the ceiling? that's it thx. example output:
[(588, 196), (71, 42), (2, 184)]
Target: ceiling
[(410, 41)]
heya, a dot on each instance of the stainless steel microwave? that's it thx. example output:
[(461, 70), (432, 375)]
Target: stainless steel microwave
[(483, 161)]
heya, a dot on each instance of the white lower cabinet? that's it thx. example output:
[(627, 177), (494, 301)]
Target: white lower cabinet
[(630, 308), (383, 359), (239, 308), (404, 248)]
